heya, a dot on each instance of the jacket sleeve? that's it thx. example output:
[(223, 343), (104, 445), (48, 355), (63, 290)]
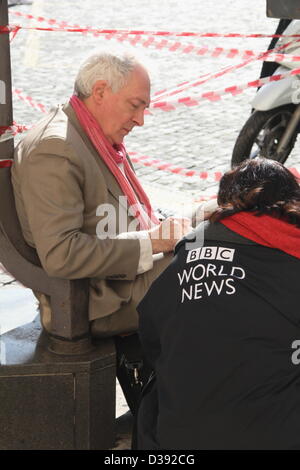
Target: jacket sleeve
[(52, 191)]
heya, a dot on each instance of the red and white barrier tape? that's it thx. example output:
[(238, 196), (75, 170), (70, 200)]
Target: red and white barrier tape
[(157, 103), (13, 35), (199, 81), (61, 24), (84, 30), (7, 133), (171, 105), (172, 46), (205, 78), (13, 30), (215, 53), (10, 29), (10, 132), (275, 57), (37, 18), (229, 53), (29, 100), (217, 95), (169, 167), (143, 160), (179, 88), (159, 95), (274, 53)]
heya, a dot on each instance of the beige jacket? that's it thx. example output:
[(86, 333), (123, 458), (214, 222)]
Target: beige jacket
[(58, 186)]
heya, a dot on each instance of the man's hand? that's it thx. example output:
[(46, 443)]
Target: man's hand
[(165, 235)]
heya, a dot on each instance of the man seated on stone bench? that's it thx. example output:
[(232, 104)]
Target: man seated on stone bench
[(79, 201)]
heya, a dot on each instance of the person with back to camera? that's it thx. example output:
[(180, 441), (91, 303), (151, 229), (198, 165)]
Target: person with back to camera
[(221, 325)]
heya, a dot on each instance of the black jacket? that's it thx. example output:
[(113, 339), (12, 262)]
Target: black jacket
[(220, 326)]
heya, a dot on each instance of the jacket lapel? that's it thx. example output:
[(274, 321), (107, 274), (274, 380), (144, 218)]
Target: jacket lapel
[(112, 184)]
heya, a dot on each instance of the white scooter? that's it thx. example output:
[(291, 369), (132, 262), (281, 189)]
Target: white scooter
[(271, 130)]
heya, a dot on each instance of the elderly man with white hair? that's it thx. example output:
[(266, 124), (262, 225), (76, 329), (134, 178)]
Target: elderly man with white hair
[(79, 201)]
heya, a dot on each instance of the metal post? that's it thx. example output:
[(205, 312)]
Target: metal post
[(6, 114)]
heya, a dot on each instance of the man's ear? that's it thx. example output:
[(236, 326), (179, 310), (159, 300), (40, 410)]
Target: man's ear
[(99, 88)]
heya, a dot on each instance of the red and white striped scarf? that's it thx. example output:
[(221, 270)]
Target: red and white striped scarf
[(113, 156)]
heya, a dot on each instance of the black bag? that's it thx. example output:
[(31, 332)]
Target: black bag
[(132, 369), (145, 423)]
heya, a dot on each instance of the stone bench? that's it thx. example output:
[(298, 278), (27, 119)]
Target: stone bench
[(57, 390)]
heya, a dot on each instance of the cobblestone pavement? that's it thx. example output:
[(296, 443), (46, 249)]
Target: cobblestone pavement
[(44, 65), (200, 137)]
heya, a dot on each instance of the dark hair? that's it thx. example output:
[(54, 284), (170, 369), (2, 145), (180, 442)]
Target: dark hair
[(262, 186)]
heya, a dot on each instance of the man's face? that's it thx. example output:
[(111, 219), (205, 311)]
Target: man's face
[(118, 113)]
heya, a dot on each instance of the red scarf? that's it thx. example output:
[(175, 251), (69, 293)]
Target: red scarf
[(6, 163), (266, 230), (112, 157)]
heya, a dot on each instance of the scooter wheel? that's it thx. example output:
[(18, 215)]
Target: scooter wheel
[(261, 134)]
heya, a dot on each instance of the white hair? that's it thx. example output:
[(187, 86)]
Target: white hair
[(114, 67)]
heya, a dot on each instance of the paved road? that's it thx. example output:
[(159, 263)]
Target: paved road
[(201, 137)]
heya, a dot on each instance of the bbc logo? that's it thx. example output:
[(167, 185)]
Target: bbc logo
[(211, 252)]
